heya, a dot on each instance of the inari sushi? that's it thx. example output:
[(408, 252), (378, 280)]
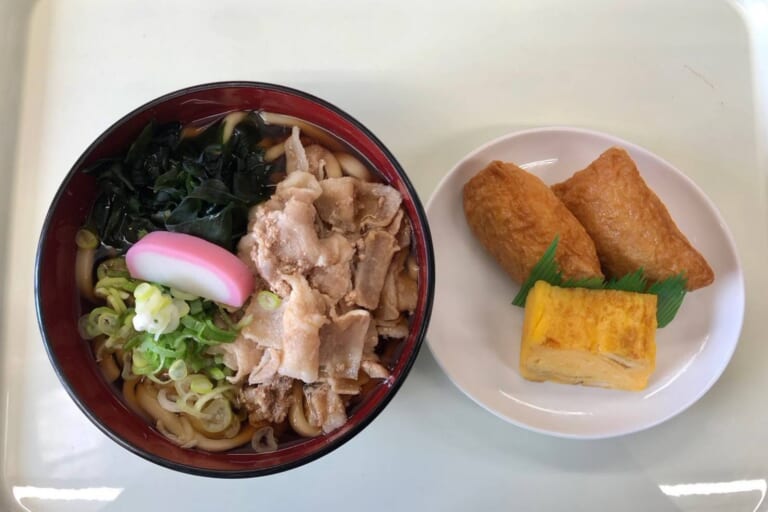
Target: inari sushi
[(629, 224), (516, 216)]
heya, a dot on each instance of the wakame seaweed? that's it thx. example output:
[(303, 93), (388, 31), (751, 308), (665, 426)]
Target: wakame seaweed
[(201, 185)]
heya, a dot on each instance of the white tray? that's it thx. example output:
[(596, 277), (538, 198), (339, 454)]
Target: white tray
[(433, 81)]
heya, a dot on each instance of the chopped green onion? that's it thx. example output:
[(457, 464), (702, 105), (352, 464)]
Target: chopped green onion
[(143, 292), (244, 322), (211, 395), (157, 312), (177, 370), (216, 373), (171, 337), (88, 330), (119, 283), (217, 334), (86, 239), (164, 349), (133, 341), (207, 332), (107, 322), (200, 384), (153, 378), (195, 307), (217, 415), (138, 360), (114, 267), (116, 302), (178, 294), (268, 300), (223, 316), (190, 322)]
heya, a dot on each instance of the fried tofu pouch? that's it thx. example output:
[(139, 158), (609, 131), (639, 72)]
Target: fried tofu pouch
[(629, 224), (516, 216)]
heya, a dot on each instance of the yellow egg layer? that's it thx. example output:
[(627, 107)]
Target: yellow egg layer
[(602, 338)]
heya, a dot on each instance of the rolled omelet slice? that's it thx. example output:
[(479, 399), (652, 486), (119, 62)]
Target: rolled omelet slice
[(604, 338), (629, 224), (516, 216)]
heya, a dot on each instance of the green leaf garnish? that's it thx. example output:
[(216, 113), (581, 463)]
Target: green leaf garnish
[(544, 270), (593, 283), (670, 292), (632, 282)]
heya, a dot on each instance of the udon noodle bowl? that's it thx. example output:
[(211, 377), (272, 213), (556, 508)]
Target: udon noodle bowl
[(328, 246)]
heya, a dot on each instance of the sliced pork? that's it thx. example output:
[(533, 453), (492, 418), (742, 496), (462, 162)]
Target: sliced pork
[(388, 301), (295, 156), (393, 228), (344, 386), (336, 250), (287, 240), (267, 368), (322, 163), (304, 315), (374, 369), (374, 256), (393, 329), (377, 204), (266, 325), (301, 186), (336, 204), (267, 402), (407, 292), (241, 356), (404, 235), (371, 340), (325, 408), (341, 344), (334, 281)]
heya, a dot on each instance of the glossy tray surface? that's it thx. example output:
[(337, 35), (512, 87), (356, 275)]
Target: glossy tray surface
[(679, 78)]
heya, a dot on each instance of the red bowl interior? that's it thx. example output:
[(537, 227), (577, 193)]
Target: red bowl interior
[(59, 306)]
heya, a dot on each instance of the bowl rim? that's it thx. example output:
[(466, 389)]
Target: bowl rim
[(394, 385)]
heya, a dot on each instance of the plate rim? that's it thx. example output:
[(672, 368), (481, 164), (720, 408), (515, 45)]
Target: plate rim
[(738, 271)]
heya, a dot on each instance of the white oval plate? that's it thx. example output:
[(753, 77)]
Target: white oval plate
[(475, 331)]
